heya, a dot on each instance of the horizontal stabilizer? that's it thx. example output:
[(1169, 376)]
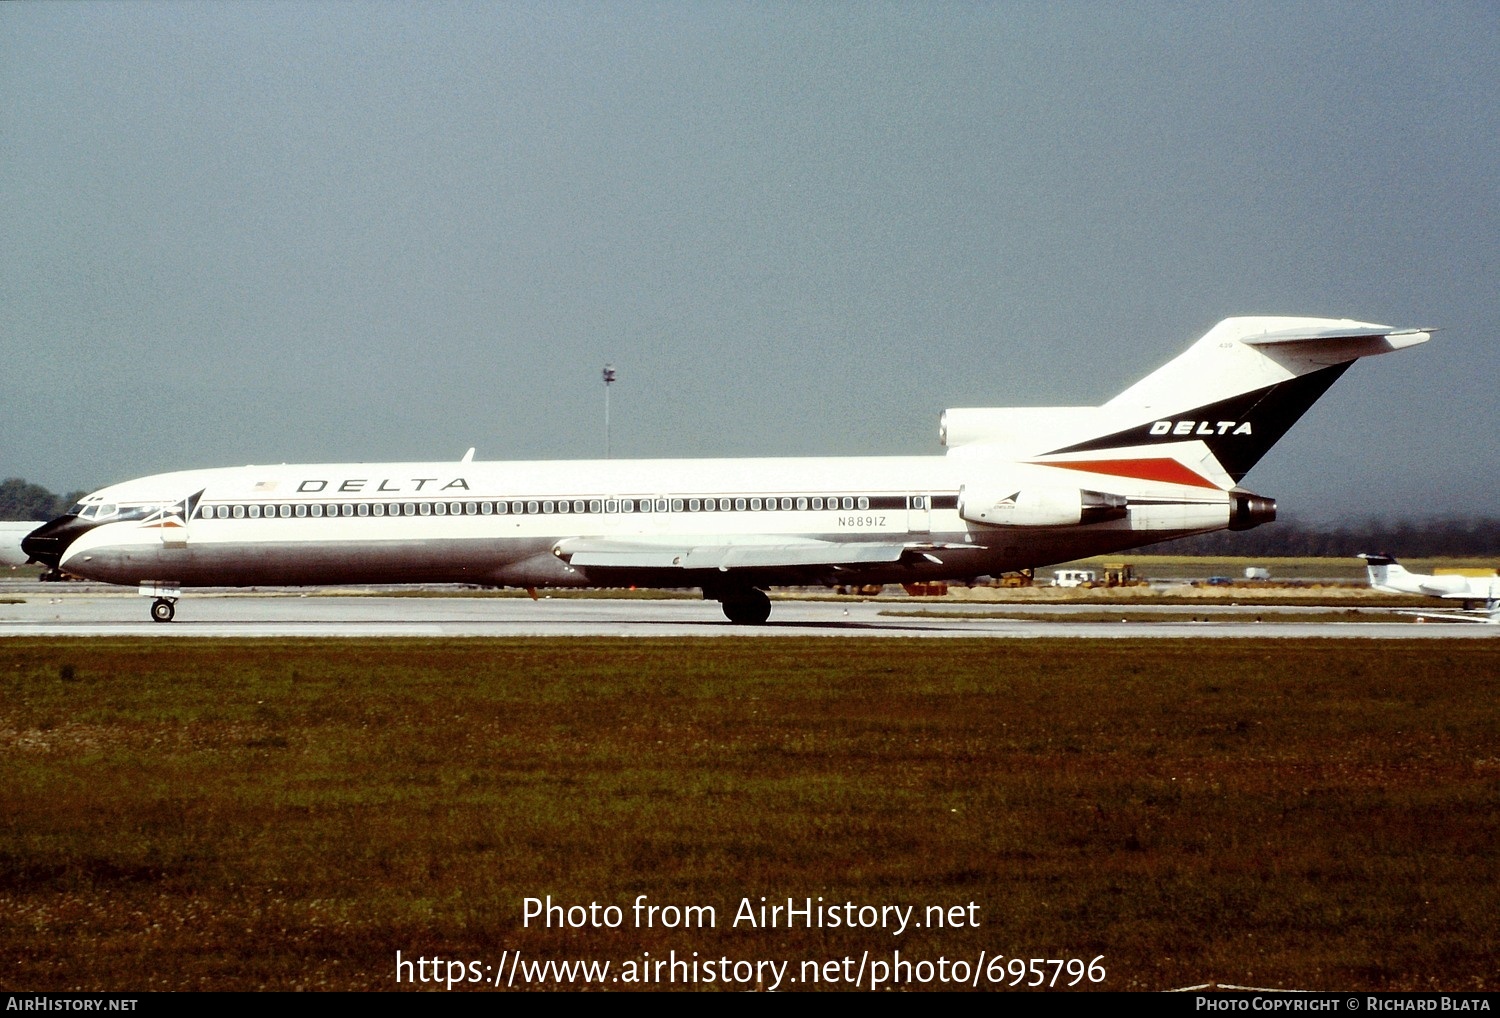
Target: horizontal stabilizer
[(1396, 339)]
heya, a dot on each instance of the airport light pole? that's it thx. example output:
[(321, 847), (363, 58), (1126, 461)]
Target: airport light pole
[(609, 376)]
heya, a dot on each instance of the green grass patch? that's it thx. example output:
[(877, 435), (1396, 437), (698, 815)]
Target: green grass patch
[(280, 813)]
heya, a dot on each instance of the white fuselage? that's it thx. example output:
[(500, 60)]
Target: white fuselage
[(11, 534), (508, 523), (1394, 579)]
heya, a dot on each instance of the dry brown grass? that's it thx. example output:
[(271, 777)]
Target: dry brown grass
[(240, 814)]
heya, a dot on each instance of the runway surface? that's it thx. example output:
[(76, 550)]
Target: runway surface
[(103, 613)]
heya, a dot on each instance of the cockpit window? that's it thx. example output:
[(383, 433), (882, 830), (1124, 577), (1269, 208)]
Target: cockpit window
[(135, 512)]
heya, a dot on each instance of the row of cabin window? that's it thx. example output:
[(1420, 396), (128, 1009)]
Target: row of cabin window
[(532, 507)]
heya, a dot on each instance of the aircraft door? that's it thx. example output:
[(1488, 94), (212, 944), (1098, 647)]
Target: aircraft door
[(173, 529), (173, 521), (918, 514)]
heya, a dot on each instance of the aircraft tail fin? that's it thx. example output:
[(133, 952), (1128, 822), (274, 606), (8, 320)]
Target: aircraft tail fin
[(1203, 419), (1384, 572)]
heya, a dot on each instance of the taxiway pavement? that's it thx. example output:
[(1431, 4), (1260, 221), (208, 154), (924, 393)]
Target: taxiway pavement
[(95, 613)]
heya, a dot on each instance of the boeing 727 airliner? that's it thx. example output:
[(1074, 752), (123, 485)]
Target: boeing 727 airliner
[(1019, 487)]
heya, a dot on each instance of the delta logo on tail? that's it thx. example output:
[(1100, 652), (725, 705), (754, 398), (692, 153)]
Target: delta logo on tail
[(1201, 421), (1161, 469), (1238, 431)]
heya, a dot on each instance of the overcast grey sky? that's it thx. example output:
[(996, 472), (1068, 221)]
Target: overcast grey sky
[(267, 232)]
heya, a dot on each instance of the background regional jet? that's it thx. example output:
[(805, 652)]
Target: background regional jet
[(1387, 574), (1019, 487)]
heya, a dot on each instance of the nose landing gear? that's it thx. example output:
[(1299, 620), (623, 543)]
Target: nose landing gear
[(166, 594)]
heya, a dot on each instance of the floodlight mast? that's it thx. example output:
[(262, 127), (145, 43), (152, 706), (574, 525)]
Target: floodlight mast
[(609, 376)]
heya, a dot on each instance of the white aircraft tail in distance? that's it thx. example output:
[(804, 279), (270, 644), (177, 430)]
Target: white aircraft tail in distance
[(1388, 575), (1018, 487), (12, 533)]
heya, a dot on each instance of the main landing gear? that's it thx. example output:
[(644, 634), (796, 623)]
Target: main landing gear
[(163, 608), (748, 607)]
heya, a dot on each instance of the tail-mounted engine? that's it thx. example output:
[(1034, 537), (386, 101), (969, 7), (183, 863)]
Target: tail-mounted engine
[(1038, 507), (1247, 510)]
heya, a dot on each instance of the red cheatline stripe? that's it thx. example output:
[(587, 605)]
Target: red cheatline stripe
[(1168, 471)]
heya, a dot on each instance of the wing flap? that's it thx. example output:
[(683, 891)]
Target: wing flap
[(727, 553), (621, 558)]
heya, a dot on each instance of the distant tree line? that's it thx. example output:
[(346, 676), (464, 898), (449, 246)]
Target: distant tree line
[(22, 501), (1438, 537)]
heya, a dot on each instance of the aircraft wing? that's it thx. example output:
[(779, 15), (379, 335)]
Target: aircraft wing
[(726, 553)]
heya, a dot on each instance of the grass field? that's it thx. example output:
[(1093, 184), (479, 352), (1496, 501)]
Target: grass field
[(284, 814)]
